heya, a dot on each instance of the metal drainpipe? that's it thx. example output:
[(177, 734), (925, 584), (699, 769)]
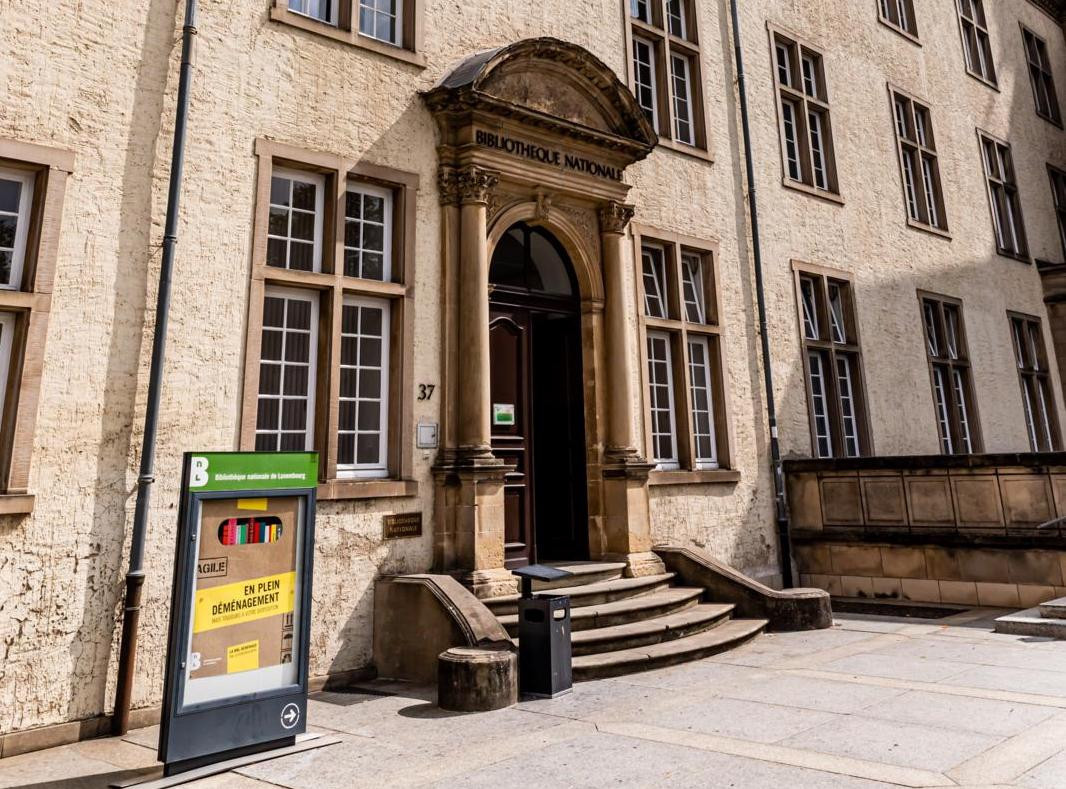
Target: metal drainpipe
[(781, 504), (135, 576)]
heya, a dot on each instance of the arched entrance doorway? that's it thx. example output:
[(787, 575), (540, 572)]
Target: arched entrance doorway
[(538, 415)]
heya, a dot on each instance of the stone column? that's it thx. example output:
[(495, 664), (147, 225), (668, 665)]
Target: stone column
[(625, 472), (469, 509), (474, 186)]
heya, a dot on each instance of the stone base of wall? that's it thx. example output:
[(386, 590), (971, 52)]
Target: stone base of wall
[(934, 574)]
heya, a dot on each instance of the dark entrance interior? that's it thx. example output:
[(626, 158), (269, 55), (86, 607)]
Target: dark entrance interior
[(538, 404)]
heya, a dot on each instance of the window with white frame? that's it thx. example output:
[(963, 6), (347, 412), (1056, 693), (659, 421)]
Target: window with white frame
[(644, 79), (1034, 375), (806, 130), (949, 369), (661, 400), (683, 354), (1003, 198), (16, 201), (683, 131), (976, 44), (899, 15), (666, 75), (362, 430), (833, 364), (919, 165), (287, 371), (294, 238), (1041, 77), (382, 19), (330, 359)]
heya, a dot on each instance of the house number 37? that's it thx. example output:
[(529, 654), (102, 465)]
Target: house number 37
[(425, 391)]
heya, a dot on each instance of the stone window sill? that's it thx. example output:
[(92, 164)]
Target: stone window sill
[(279, 13), (16, 503), (347, 489), (821, 194), (701, 477)]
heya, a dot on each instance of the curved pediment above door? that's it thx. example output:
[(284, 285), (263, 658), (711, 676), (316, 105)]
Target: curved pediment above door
[(551, 85)]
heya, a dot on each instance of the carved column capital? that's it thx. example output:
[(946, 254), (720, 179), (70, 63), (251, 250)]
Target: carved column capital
[(615, 216), (466, 184)]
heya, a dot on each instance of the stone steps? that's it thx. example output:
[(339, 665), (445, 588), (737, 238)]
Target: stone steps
[(589, 594), (582, 573), (1048, 620), (621, 612), (667, 653), (646, 632)]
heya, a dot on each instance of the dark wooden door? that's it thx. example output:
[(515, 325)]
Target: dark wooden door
[(509, 346), (538, 405)]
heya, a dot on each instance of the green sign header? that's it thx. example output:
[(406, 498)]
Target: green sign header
[(211, 471)]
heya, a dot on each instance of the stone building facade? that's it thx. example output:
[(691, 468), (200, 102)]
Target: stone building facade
[(357, 176)]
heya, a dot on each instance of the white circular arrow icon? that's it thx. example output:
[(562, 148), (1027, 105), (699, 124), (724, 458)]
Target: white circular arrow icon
[(290, 716)]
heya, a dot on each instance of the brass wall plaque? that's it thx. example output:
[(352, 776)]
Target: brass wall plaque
[(407, 524)]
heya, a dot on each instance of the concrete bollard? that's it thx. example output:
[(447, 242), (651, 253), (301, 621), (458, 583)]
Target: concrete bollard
[(476, 680)]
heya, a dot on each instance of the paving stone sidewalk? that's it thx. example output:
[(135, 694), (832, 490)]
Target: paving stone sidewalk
[(873, 702)]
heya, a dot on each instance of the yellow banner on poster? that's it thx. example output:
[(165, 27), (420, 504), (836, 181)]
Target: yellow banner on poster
[(242, 657), (244, 601)]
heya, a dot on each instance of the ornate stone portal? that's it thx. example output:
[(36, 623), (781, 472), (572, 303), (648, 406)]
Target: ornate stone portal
[(540, 132)]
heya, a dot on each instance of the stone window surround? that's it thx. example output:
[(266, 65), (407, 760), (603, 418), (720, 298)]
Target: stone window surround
[(862, 415), (32, 305), (982, 137), (347, 29), (1041, 377), (1058, 207), (334, 285), (973, 413), (664, 45), (943, 232), (834, 194), (911, 34), (674, 244), (1056, 117)]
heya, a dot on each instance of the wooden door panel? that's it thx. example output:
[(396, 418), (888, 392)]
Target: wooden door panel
[(509, 346)]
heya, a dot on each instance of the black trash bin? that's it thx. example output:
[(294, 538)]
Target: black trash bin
[(544, 650)]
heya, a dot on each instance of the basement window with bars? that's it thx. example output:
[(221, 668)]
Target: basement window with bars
[(665, 70), (950, 375), (976, 44), (1003, 198), (803, 106), (832, 361), (1041, 77), (329, 361), (685, 415), (1034, 375), (919, 165)]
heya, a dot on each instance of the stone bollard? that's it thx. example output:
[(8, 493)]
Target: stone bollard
[(476, 680)]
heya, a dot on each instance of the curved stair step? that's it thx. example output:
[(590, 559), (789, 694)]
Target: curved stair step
[(620, 612), (668, 653), (590, 594), (582, 573), (651, 631)]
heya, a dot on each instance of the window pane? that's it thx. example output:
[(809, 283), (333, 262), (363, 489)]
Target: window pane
[(818, 150), (846, 395), (699, 370), (363, 395), (810, 77), (644, 79), (285, 415), (811, 329), (819, 405), (675, 12), (295, 222), (654, 272), (788, 117), (367, 230), (661, 400), (682, 100), (692, 274), (836, 313), (940, 395), (16, 199)]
